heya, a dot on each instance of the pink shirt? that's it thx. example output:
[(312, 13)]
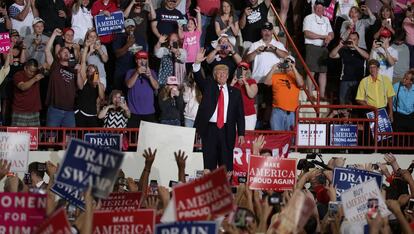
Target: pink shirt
[(191, 44), (409, 30)]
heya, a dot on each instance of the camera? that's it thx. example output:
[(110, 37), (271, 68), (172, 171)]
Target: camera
[(310, 162), (27, 179), (224, 47), (378, 42), (284, 65), (348, 43), (175, 45), (41, 166), (242, 179)]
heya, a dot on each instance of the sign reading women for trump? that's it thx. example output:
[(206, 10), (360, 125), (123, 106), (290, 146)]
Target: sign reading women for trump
[(139, 221), (87, 165), (14, 147), (109, 24), (4, 42), (208, 195), (271, 173)]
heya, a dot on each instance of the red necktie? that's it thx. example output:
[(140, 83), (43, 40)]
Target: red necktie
[(220, 109)]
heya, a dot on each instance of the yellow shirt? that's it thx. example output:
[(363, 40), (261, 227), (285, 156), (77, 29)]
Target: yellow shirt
[(375, 93)]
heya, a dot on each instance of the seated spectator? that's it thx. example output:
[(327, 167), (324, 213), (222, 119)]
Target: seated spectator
[(192, 98), (82, 20), (191, 38), (22, 16), (73, 47), (142, 85), (242, 80), (226, 21), (385, 54), (170, 100), (408, 26), (285, 81), (97, 54), (54, 13), (224, 53), (89, 95), (403, 63), (403, 104), (26, 92), (116, 114), (173, 57), (141, 16), (353, 60), (36, 42), (358, 24), (166, 19)]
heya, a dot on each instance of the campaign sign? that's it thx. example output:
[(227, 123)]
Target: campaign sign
[(384, 123), (71, 194), (87, 165), (278, 144), (311, 134), (57, 223), (138, 221), (21, 212), (113, 141), (4, 42), (33, 132), (269, 173), (122, 201), (355, 200), (14, 147), (207, 195), (344, 135), (207, 227), (109, 24), (345, 178)]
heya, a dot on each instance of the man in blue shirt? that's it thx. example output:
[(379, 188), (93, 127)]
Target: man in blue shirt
[(403, 104)]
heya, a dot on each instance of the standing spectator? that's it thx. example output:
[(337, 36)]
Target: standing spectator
[(191, 38), (192, 98), (408, 25), (97, 54), (26, 92), (116, 114), (252, 20), (141, 16), (125, 46), (226, 21), (63, 83), (36, 42), (54, 13), (318, 34), (171, 103), (357, 24), (208, 9), (22, 15), (5, 23), (353, 60), (386, 20), (74, 48), (166, 19), (285, 81), (142, 85), (403, 104), (105, 7), (5, 69), (403, 63), (173, 58), (376, 89), (248, 88), (384, 54), (82, 20)]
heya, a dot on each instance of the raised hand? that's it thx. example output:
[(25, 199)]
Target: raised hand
[(149, 156), (4, 168), (180, 157), (258, 144), (200, 56)]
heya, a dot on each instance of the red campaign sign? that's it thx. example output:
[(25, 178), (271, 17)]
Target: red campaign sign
[(33, 132), (4, 42), (122, 201), (57, 223), (21, 212), (207, 195), (138, 221), (278, 144), (270, 173)]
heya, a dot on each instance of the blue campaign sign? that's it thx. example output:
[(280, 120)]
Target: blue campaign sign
[(208, 227), (344, 134), (106, 25), (70, 194), (345, 178), (384, 123), (113, 141), (87, 165)]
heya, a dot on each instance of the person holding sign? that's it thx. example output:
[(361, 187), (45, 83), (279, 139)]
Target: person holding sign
[(220, 113)]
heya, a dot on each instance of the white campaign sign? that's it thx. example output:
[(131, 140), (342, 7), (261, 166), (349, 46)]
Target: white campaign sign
[(307, 133), (166, 139), (14, 147), (355, 200)]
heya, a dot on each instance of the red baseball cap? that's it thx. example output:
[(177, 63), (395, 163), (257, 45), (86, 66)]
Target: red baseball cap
[(141, 55), (65, 30), (244, 64), (385, 33)]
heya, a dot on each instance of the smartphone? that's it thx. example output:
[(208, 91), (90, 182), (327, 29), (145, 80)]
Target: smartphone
[(333, 208), (71, 212), (41, 167), (153, 187), (372, 208), (199, 173), (95, 77), (223, 47), (242, 179), (122, 99), (274, 199), (182, 22), (172, 183), (389, 21), (348, 43), (27, 179), (242, 217), (410, 206), (239, 73), (175, 45)]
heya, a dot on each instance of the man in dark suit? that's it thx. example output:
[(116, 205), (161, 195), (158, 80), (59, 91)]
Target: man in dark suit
[(219, 115)]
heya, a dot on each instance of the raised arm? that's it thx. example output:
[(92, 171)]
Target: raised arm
[(48, 49), (180, 158), (149, 159)]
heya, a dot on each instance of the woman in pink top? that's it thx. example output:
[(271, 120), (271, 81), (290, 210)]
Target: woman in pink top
[(408, 25), (191, 37)]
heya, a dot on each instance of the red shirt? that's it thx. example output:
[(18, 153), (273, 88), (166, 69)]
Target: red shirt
[(96, 9), (27, 101), (208, 7), (248, 103)]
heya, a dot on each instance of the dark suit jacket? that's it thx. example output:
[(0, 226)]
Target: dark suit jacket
[(235, 112)]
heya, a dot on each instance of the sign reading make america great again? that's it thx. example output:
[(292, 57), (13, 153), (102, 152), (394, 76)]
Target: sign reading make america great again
[(87, 165)]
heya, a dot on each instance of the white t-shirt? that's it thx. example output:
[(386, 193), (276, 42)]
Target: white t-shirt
[(385, 68), (318, 25), (82, 21), (264, 61)]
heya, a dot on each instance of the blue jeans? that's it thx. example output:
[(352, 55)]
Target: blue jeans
[(60, 118), (205, 22), (189, 123), (347, 91), (175, 122), (282, 120)]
